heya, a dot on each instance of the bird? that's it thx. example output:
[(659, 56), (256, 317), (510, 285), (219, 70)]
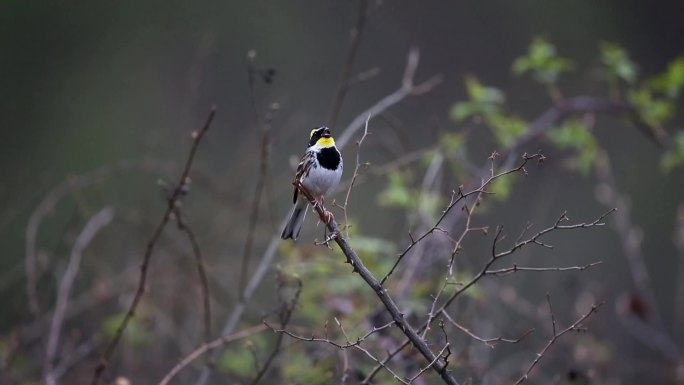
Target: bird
[(319, 172)]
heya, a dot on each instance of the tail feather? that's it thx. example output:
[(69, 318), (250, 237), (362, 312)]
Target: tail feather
[(294, 225)]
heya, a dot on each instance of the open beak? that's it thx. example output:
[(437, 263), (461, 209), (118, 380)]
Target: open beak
[(326, 134)]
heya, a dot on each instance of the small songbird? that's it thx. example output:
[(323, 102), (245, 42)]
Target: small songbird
[(319, 172)]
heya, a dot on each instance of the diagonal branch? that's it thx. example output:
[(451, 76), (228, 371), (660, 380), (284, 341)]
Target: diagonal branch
[(437, 364)]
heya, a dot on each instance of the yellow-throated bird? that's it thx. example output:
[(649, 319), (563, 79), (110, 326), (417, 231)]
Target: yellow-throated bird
[(319, 172)]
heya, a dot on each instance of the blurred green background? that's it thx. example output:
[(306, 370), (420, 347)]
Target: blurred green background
[(119, 86)]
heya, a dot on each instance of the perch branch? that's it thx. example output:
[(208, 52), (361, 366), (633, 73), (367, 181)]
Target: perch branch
[(352, 258)]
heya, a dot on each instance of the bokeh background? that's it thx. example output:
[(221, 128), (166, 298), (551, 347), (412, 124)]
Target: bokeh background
[(100, 98)]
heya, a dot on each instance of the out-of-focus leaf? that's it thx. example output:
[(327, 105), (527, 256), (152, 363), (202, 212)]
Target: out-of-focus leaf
[(653, 110), (135, 334), (572, 134), (300, 369), (452, 141), (506, 129), (672, 81), (483, 100), (397, 192), (501, 187), (617, 62), (238, 361), (463, 111), (542, 61), (675, 156)]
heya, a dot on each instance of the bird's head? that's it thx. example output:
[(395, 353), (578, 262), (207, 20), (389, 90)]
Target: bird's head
[(322, 137)]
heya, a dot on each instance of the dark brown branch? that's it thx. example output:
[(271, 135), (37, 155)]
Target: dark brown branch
[(352, 258), (178, 192)]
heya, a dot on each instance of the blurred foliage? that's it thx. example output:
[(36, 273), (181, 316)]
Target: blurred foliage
[(572, 134), (485, 104), (137, 334), (618, 65), (543, 62)]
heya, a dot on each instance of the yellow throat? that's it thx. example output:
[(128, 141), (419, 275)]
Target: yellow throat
[(326, 142)]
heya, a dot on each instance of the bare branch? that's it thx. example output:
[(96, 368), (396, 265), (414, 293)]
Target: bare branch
[(576, 326), (343, 84), (92, 227), (407, 89), (201, 271), (285, 317), (515, 268), (178, 192), (352, 258), (490, 342), (356, 173), (209, 346)]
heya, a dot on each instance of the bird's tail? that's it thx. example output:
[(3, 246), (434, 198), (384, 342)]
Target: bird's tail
[(294, 225)]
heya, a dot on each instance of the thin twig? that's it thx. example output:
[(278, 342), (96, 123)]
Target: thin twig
[(178, 192), (349, 344), (92, 227), (356, 174), (490, 342), (201, 271), (407, 88), (209, 346), (457, 197), (285, 317), (576, 326), (515, 268), (265, 146), (482, 273), (425, 368), (343, 84)]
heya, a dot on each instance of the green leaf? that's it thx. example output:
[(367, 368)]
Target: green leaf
[(506, 129), (483, 94), (135, 334), (397, 193), (675, 156), (452, 142), (239, 362), (572, 134), (463, 111), (501, 187), (654, 111), (672, 81), (617, 63), (542, 61)]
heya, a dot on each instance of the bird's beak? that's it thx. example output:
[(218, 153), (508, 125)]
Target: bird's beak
[(326, 134)]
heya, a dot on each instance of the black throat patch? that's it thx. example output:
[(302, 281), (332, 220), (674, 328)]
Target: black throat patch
[(329, 158)]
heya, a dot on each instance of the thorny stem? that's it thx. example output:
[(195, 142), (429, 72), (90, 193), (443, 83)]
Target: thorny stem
[(439, 366)]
